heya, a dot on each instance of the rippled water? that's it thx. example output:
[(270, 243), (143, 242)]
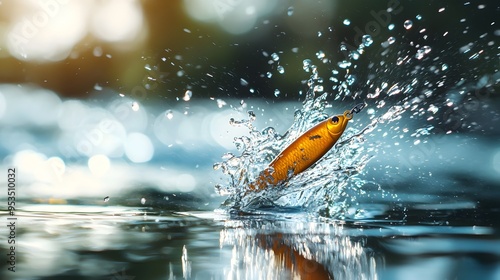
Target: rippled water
[(96, 242)]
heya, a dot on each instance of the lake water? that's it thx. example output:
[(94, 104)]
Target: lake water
[(116, 242)]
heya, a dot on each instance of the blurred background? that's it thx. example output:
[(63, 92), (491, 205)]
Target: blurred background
[(75, 48)]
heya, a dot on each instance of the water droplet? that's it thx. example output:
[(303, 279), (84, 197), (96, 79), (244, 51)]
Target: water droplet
[(354, 55), (269, 74), (319, 34), (234, 161), (391, 40), (367, 40), (135, 106), (466, 48), (277, 92), (306, 65), (318, 88), (243, 104), (391, 26), (444, 67), (243, 82), (275, 57), (433, 108), (143, 201), (401, 60), (350, 79), (374, 95), (97, 87), (251, 115), (187, 95), (290, 11), (280, 69), (295, 50), (187, 30), (418, 17), (320, 55), (221, 103), (227, 156), (480, 7), (347, 22), (441, 10), (393, 90), (169, 114), (344, 64), (97, 52), (408, 24), (106, 199), (234, 122), (422, 52), (416, 142)]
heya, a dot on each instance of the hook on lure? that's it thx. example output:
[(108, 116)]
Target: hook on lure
[(306, 150), (356, 109)]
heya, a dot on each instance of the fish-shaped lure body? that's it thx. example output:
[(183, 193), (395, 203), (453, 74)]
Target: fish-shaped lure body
[(304, 151)]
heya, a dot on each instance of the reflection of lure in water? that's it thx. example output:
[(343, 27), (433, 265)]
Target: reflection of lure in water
[(305, 150), (290, 259)]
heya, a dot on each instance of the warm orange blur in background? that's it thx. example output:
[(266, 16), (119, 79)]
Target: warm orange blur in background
[(88, 59), (74, 47)]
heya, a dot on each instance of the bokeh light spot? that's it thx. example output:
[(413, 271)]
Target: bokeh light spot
[(138, 147), (118, 21), (49, 31), (186, 182), (99, 165)]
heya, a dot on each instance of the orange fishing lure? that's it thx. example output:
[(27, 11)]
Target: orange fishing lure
[(305, 150)]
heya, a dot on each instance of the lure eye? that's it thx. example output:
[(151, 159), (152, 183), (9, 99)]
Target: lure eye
[(335, 119)]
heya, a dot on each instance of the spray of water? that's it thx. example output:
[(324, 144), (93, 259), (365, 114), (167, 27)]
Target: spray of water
[(321, 187), (407, 84)]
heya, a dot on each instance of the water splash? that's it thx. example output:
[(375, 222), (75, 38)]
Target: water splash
[(403, 84), (329, 187), (320, 188)]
